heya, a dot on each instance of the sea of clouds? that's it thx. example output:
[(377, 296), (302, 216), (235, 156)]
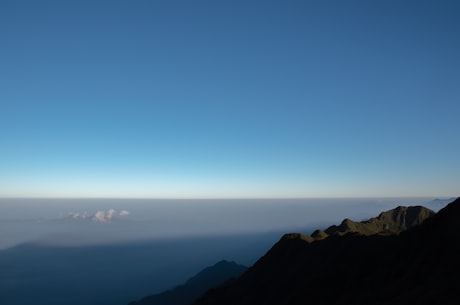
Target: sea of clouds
[(73, 222)]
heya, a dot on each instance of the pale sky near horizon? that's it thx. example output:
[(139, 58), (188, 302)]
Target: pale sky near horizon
[(219, 99)]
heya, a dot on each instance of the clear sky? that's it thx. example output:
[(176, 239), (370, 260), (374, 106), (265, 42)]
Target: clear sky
[(192, 99)]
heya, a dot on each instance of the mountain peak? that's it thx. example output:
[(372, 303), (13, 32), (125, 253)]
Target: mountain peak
[(222, 270), (389, 222), (207, 278)]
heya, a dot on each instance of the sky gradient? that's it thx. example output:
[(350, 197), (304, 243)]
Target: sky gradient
[(229, 99)]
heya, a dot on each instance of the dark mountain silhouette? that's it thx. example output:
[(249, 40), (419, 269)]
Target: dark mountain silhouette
[(185, 294), (348, 264)]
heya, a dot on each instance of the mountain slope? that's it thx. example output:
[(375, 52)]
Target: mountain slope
[(418, 266), (185, 294)]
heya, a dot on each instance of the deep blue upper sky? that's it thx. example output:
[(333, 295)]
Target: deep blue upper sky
[(189, 99)]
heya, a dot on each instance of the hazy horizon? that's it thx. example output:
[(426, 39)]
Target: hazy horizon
[(79, 222)]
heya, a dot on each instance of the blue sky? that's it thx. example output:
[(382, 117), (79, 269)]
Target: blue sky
[(218, 99)]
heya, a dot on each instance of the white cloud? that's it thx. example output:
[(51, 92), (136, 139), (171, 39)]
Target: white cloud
[(99, 217), (104, 217), (77, 215), (74, 215), (124, 213), (110, 213)]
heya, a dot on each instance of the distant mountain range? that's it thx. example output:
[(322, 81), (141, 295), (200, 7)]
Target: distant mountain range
[(408, 255), (185, 294), (439, 203)]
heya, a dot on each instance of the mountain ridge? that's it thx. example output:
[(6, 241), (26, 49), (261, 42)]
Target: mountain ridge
[(416, 266), (393, 221), (389, 222)]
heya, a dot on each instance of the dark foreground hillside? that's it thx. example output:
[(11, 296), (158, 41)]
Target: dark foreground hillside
[(417, 266)]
